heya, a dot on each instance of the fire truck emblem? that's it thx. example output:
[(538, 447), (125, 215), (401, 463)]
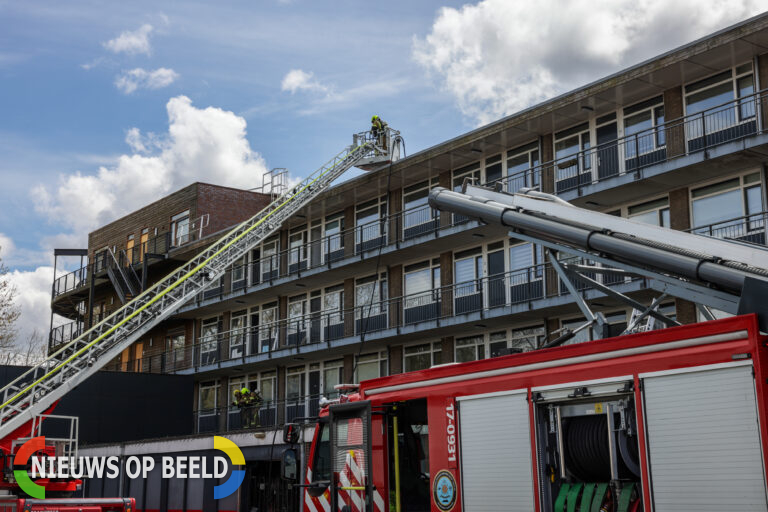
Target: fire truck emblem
[(444, 490)]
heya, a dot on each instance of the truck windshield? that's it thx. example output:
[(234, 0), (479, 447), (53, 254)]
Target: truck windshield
[(321, 466)]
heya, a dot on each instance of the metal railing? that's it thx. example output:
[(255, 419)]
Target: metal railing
[(320, 328), (269, 415), (354, 242), (748, 228), (731, 121), (64, 333)]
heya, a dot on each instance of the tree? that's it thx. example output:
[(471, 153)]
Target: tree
[(9, 311), (28, 353)]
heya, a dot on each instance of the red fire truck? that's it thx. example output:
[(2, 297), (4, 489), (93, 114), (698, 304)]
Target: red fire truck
[(671, 419)]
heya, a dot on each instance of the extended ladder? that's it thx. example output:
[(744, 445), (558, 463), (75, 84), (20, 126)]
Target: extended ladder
[(37, 389)]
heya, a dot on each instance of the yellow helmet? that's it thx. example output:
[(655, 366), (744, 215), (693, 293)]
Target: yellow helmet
[(374, 118), (244, 390)]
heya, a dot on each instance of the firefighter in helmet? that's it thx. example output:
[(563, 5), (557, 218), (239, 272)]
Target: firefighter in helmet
[(379, 131)]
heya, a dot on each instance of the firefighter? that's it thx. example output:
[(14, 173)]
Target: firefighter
[(379, 131), (237, 398), (245, 421)]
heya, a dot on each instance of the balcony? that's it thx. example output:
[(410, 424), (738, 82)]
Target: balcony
[(749, 229), (64, 333), (403, 229), (489, 297), (628, 156)]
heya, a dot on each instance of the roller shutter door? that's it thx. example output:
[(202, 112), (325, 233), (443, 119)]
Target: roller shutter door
[(704, 441), (495, 448)]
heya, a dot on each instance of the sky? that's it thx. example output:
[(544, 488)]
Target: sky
[(107, 106)]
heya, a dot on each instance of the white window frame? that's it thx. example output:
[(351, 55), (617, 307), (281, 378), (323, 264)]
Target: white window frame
[(532, 151), (434, 348), (176, 236), (379, 359)]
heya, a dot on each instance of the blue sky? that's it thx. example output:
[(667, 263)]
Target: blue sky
[(107, 106)]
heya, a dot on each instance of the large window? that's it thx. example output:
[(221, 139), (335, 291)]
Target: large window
[(522, 167), (180, 228), (269, 259), (422, 283), (237, 334), (333, 305), (468, 271), (571, 148), (208, 398), (421, 357), (175, 345), (334, 226), (371, 366), (527, 338), (714, 96), (333, 375), (726, 201), (370, 227), (297, 249), (297, 308), (654, 212), (643, 127), (268, 328), (418, 217), (470, 348), (209, 340)]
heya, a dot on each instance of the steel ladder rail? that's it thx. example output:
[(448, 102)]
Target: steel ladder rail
[(38, 388)]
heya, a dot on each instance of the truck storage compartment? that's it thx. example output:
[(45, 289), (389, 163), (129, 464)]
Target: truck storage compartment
[(587, 448), (703, 440), (495, 437)]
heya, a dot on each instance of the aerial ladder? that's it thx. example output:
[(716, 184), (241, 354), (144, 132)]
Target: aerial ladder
[(715, 274), (37, 391)]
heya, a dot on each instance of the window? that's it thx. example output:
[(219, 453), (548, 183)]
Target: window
[(333, 305), (492, 169), (209, 340), (498, 344), (297, 248), (421, 357), (528, 338), (654, 212), (726, 201), (644, 127), (416, 211), (295, 382), (470, 348), (333, 375), (334, 225), (180, 228), (468, 271), (208, 398), (269, 259), (175, 344), (371, 366), (130, 249), (238, 271), (713, 96), (568, 144), (267, 386), (617, 323), (522, 167), (370, 296), (459, 175), (297, 308), (370, 227), (144, 243), (422, 283), (237, 334), (268, 328), (525, 261)]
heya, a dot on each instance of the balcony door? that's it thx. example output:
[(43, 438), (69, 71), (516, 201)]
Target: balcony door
[(607, 149)]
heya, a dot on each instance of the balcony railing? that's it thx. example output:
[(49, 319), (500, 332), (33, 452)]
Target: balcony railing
[(271, 414), (64, 333), (749, 228), (694, 133), (320, 328)]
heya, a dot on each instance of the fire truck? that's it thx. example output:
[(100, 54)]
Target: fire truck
[(670, 419)]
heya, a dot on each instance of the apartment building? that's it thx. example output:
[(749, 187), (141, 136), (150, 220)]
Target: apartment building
[(367, 280)]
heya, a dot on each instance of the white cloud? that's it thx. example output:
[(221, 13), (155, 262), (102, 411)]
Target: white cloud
[(207, 144), (132, 42), (299, 80), (7, 247), (138, 78), (497, 57), (34, 300)]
